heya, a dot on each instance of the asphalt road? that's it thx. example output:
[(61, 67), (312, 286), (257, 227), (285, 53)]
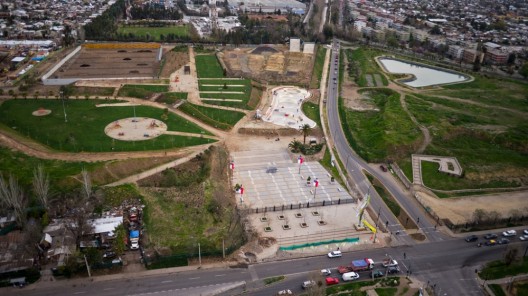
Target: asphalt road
[(449, 264), (354, 165)]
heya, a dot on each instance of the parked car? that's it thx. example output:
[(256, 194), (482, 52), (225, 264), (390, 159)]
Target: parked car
[(471, 238), (285, 292), (109, 254), (383, 168), (335, 254), (377, 273), (308, 284), (350, 276), (326, 271), (509, 233), (503, 241), (393, 270), (491, 242), (490, 236), (524, 237), (331, 281)]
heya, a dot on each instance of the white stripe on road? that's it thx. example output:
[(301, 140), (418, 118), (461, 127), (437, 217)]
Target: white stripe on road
[(168, 281), (219, 274), (194, 278)]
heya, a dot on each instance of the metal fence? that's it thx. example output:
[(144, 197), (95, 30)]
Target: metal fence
[(294, 206)]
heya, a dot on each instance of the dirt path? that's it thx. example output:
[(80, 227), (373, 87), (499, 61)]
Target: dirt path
[(427, 136)]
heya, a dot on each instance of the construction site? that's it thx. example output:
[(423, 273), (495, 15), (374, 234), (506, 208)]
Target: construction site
[(271, 63)]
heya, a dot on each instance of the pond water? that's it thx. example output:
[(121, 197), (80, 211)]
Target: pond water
[(423, 76)]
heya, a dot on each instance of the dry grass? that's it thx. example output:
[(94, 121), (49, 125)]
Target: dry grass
[(173, 61)]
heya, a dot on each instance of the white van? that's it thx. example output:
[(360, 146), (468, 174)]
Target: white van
[(350, 276)]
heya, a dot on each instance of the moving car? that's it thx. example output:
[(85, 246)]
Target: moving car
[(335, 254), (326, 271), (350, 276), (393, 270), (308, 284), (523, 237), (331, 281), (471, 238), (491, 242), (525, 231), (383, 168), (377, 274), (509, 233), (503, 241), (490, 236), (285, 292)]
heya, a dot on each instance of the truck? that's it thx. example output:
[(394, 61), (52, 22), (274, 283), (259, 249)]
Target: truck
[(357, 265), (134, 239)]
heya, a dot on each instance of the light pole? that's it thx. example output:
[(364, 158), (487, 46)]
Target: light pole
[(63, 107)]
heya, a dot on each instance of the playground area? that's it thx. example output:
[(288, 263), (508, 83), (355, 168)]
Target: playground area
[(135, 129), (285, 108)]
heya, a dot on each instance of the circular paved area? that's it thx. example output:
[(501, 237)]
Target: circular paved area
[(135, 129)]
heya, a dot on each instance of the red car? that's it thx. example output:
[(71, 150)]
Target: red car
[(332, 281)]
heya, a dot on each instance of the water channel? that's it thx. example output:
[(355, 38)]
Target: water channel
[(423, 75)]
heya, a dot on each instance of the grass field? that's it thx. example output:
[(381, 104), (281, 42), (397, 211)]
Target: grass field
[(141, 91), (311, 110), (84, 130), (361, 62), (154, 32), (318, 67), (232, 86), (21, 166), (378, 135), (499, 138), (218, 118), (170, 98), (208, 66), (498, 269)]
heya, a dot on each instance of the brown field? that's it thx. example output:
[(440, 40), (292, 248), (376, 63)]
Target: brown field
[(111, 63)]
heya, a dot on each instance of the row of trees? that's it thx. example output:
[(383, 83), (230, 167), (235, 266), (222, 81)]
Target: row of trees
[(155, 12)]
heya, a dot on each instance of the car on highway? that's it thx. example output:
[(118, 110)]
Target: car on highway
[(503, 241), (490, 236), (491, 242), (331, 281), (326, 271), (393, 270), (471, 238), (350, 276), (509, 233), (308, 284), (377, 273), (335, 254), (524, 237), (525, 231)]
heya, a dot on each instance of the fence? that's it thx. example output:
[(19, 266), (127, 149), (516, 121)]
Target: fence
[(315, 244), (278, 208)]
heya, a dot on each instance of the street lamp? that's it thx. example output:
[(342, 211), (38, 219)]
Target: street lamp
[(63, 107)]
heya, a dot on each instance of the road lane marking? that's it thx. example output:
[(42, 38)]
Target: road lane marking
[(80, 292), (194, 278), (219, 274), (167, 281)]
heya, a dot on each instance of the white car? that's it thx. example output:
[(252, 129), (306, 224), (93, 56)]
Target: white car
[(308, 284), (350, 276), (326, 271), (509, 233), (524, 237), (525, 231), (334, 254), (390, 263)]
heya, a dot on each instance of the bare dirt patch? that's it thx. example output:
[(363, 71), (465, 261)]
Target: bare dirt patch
[(173, 61)]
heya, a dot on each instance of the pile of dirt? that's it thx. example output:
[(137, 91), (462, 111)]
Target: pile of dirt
[(173, 61)]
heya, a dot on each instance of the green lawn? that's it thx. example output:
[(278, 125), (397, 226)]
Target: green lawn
[(318, 67), (377, 135), (154, 32), (21, 166), (141, 91), (498, 269), (170, 98), (311, 110), (498, 291), (361, 62), (218, 118), (205, 85), (84, 130), (208, 66), (386, 291), (498, 138)]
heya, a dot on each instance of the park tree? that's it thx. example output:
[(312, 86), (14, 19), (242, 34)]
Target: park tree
[(511, 255), (13, 198), (524, 70), (305, 130), (479, 216), (41, 186)]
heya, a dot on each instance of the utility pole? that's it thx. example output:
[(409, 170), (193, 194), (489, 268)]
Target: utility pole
[(87, 266), (199, 255)]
